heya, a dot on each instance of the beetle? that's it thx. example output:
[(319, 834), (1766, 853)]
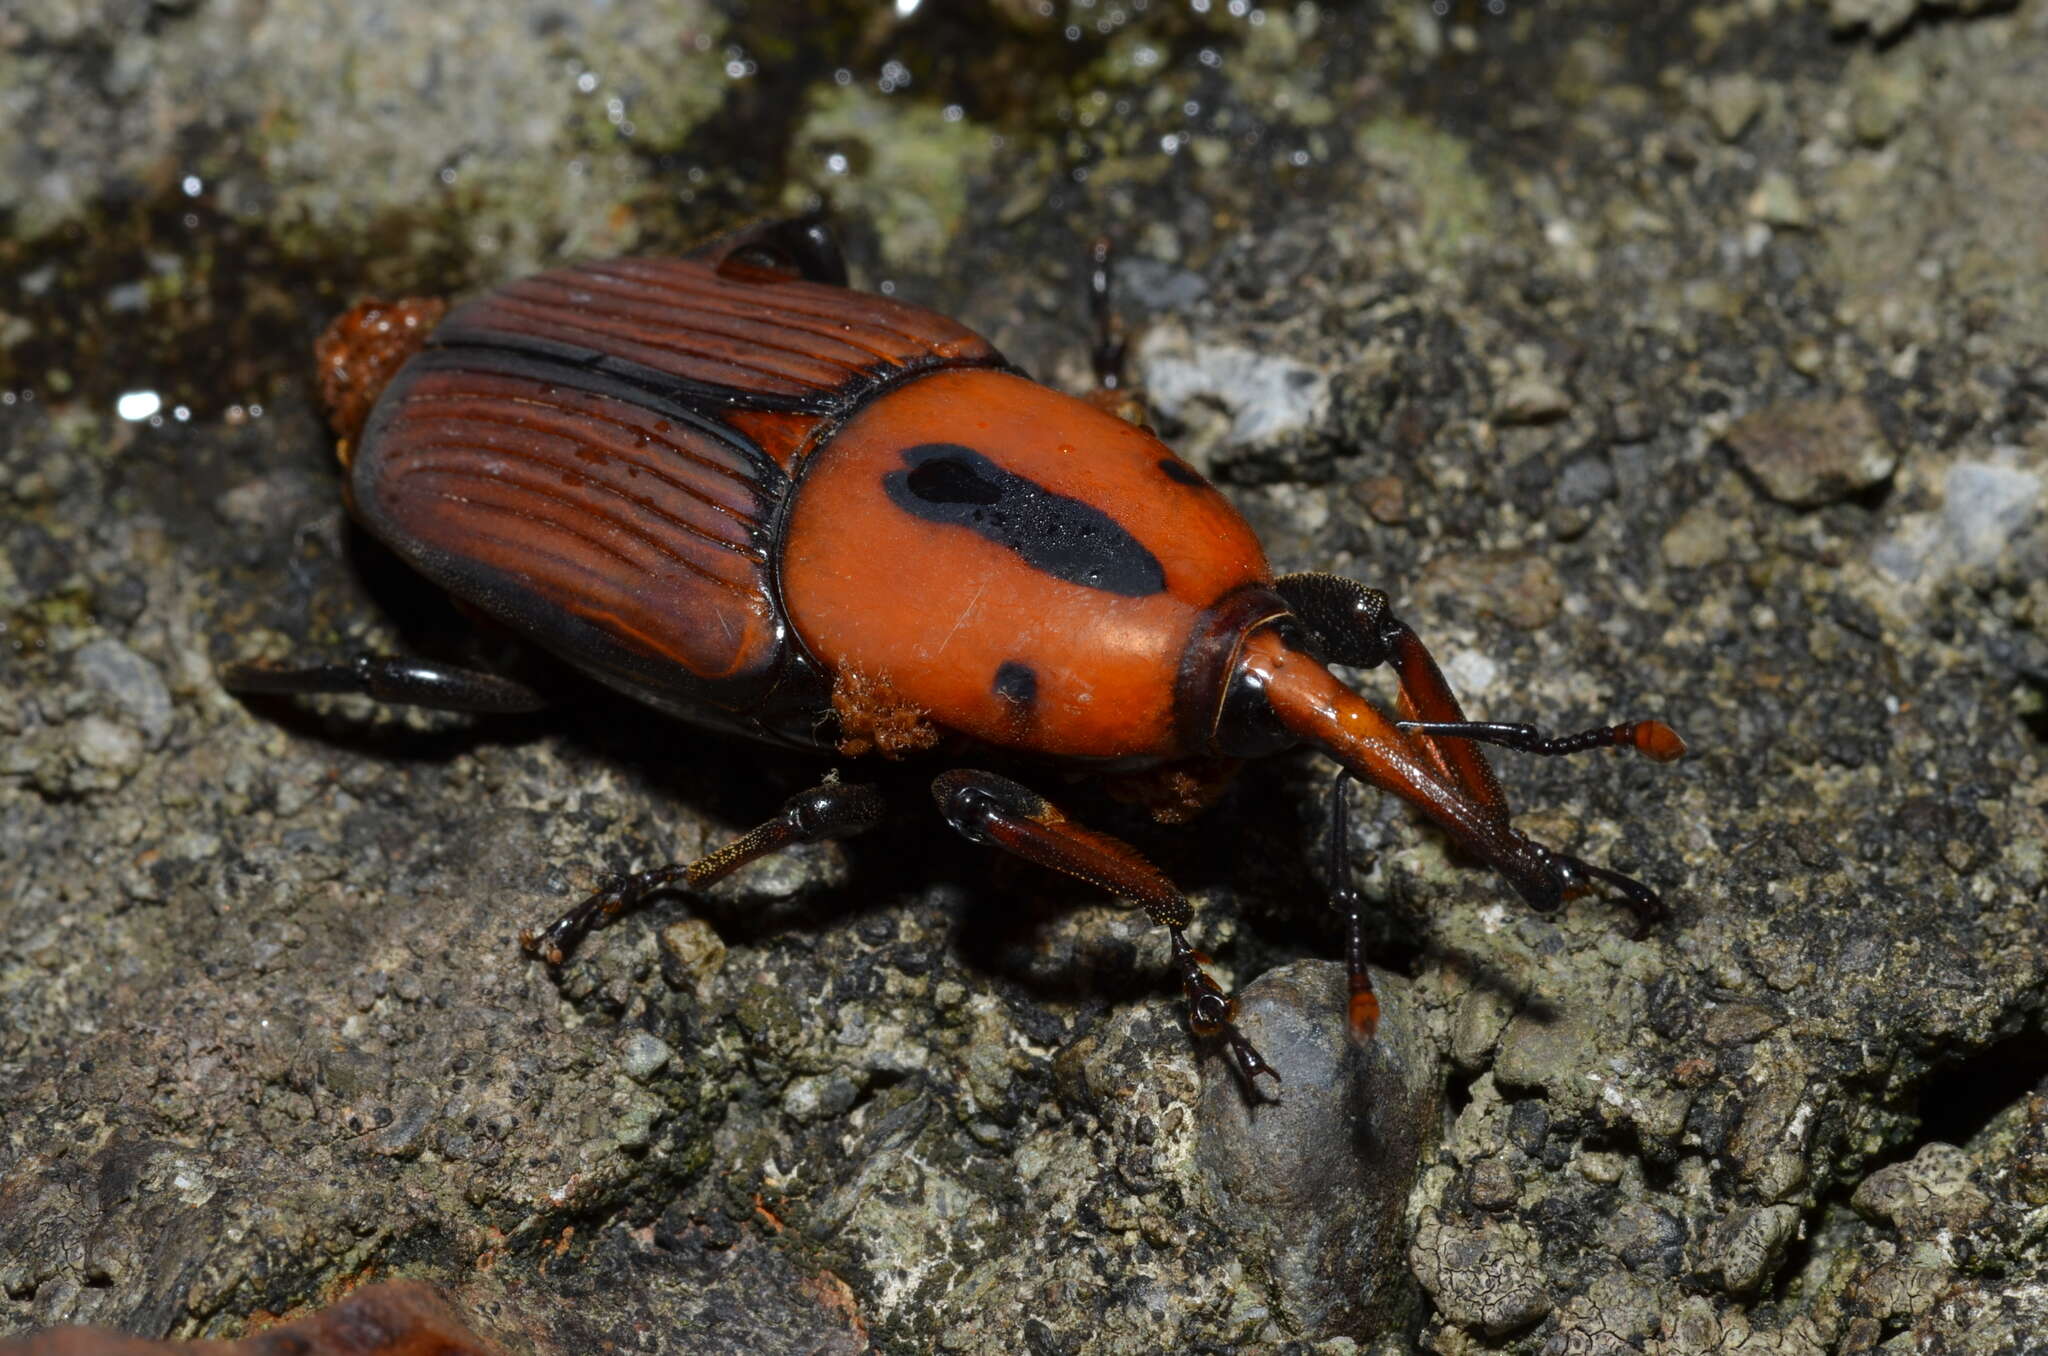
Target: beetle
[(755, 499)]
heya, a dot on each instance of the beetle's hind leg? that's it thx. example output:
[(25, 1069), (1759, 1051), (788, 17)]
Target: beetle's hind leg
[(998, 812), (829, 810), (405, 682)]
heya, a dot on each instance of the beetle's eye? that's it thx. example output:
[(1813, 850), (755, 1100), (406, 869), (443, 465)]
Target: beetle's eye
[(951, 480)]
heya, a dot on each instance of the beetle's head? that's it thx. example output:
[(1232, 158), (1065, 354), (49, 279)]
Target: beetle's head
[(1277, 692)]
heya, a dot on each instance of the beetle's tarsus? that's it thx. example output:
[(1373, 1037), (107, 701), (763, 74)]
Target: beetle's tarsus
[(1250, 1065), (554, 942), (1213, 1013), (1645, 906), (1572, 877)]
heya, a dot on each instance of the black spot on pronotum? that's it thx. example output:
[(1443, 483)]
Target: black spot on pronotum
[(1180, 473), (1065, 537), (1016, 684)]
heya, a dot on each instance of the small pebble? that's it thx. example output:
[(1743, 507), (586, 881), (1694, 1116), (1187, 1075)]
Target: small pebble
[(692, 952), (130, 682), (644, 1055), (1634, 421), (1752, 1244), (635, 1129), (1384, 498), (1882, 17), (1585, 481), (1531, 400), (1492, 1184), (1777, 202), (1521, 588), (1703, 535), (1883, 98), (1732, 103), (816, 1097), (110, 747), (1812, 452)]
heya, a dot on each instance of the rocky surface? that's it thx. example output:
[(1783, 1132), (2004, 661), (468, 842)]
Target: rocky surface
[(1692, 365)]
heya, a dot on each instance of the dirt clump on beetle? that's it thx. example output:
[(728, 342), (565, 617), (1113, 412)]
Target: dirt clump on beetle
[(874, 719)]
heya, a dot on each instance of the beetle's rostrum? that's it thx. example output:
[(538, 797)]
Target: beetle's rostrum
[(751, 497)]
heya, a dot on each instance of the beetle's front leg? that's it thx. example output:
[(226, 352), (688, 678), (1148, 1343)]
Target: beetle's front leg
[(829, 810), (996, 811)]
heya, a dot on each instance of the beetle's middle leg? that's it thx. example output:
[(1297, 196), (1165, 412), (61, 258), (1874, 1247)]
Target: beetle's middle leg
[(829, 810), (985, 808)]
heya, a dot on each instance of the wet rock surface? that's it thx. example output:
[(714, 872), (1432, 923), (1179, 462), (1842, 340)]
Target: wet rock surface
[(1480, 310)]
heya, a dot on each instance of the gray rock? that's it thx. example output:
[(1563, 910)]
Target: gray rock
[(1984, 506), (1266, 396), (1319, 1174)]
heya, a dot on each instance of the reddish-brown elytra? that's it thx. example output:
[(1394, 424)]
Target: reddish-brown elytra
[(747, 495)]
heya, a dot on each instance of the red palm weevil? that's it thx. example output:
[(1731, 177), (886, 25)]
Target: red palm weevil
[(758, 500)]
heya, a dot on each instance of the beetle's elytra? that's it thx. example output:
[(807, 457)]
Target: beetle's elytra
[(756, 499)]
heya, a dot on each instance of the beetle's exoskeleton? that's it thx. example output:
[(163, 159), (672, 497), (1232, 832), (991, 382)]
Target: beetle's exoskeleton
[(753, 498)]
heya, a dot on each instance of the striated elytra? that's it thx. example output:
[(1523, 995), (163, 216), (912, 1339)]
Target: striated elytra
[(758, 500)]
